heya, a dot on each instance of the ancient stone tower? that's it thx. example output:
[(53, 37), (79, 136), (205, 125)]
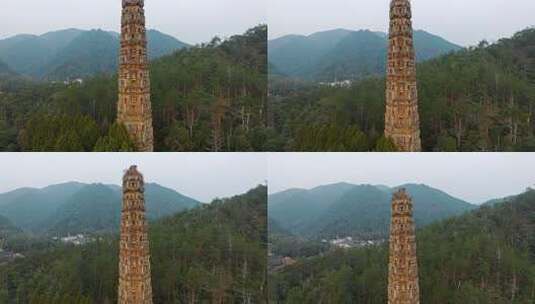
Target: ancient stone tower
[(134, 106), (402, 122), (134, 257), (403, 287)]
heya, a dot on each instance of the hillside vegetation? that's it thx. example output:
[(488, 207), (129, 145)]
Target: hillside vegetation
[(361, 211), (72, 53), (476, 99), (72, 208), (343, 54), (211, 254), (211, 97), (486, 256)]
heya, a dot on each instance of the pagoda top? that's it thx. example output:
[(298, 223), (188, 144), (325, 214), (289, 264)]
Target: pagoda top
[(401, 194), (132, 172), (133, 3), (400, 2)]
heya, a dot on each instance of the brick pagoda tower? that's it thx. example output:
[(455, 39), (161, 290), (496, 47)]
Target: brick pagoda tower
[(402, 122), (134, 106), (403, 287), (134, 257)]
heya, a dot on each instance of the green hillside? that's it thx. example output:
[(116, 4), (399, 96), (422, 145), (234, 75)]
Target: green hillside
[(476, 99), (73, 208), (344, 54), (5, 70), (72, 53), (28, 208), (94, 208), (486, 256), (211, 254), (210, 97), (91, 52), (356, 210), (6, 226)]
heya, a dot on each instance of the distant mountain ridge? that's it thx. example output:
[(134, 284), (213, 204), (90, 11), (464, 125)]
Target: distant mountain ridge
[(76, 207), (74, 53), (344, 54), (346, 209)]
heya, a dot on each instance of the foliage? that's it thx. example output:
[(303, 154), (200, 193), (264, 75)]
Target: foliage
[(485, 256), (117, 140), (211, 254), (211, 97), (477, 99)]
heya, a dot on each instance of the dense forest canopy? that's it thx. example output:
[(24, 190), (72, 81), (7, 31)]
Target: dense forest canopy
[(476, 99), (215, 253), (211, 97), (485, 256)]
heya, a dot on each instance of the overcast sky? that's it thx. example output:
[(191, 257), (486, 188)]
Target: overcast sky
[(475, 178), (465, 22), (203, 176), (191, 21)]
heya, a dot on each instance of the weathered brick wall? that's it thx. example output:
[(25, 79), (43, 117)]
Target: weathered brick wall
[(134, 254), (402, 122), (134, 105), (403, 287)]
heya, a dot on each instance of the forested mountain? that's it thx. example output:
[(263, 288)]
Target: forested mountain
[(6, 226), (476, 99), (344, 54), (73, 208), (72, 53), (28, 208), (485, 256), (210, 97), (356, 210), (212, 254), (5, 70)]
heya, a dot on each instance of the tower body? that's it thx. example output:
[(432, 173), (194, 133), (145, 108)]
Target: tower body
[(134, 105), (402, 122), (403, 286), (134, 257)]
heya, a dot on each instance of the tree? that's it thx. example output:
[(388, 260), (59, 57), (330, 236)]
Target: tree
[(117, 140)]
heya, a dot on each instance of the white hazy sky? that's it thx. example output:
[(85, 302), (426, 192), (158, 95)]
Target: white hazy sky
[(203, 176), (474, 177), (465, 22), (191, 21)]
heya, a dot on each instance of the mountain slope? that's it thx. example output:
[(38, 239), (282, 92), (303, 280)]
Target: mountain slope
[(91, 52), (344, 54), (161, 44), (94, 208), (293, 210), (97, 208), (74, 53), (484, 256), (6, 226), (357, 210), (28, 208), (72, 208), (5, 70), (217, 253)]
